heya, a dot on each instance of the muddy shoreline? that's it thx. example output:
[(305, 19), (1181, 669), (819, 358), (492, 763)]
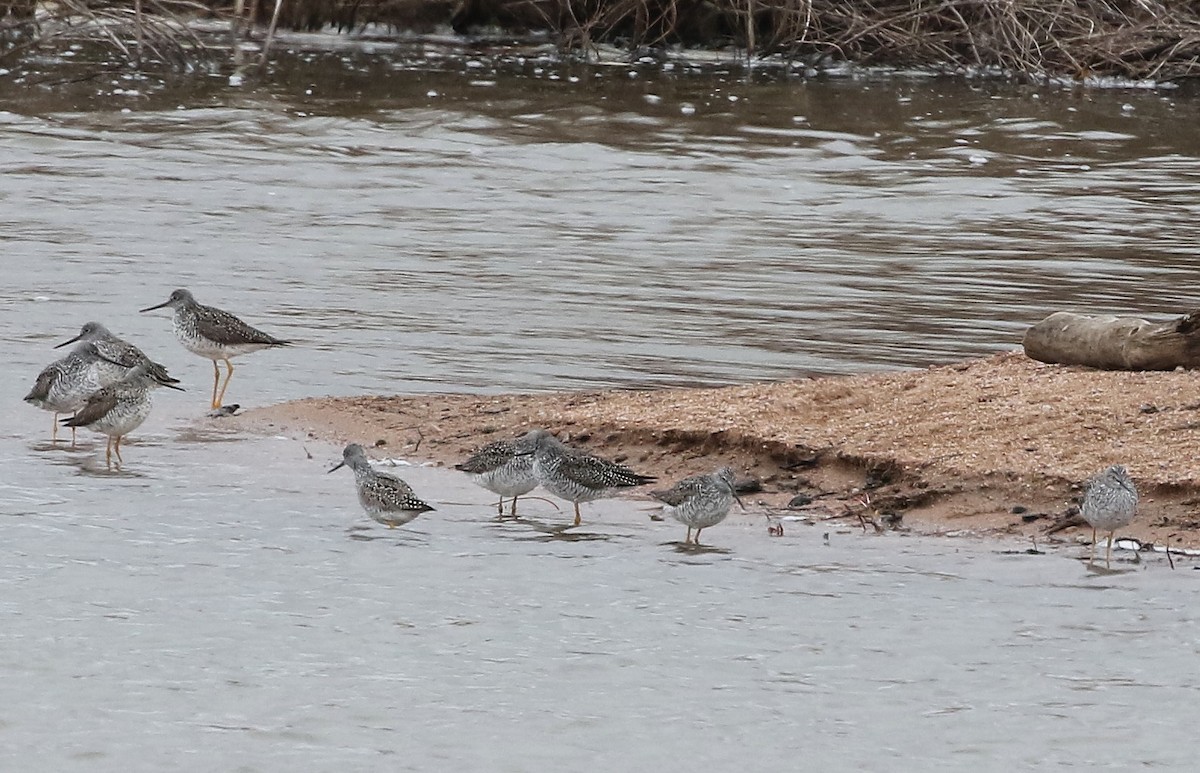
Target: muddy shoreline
[(996, 446)]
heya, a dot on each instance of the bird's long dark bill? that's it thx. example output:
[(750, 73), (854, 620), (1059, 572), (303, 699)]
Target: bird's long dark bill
[(152, 308), (172, 386), (340, 466), (738, 499), (68, 343)]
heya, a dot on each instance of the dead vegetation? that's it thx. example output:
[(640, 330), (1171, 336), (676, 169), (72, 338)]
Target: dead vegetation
[(1134, 39), (142, 33)]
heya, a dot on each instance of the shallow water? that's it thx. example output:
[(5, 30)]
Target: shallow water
[(223, 605), (421, 223)]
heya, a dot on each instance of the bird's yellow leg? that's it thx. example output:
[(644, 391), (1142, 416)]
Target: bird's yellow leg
[(513, 512), (117, 448), (216, 380), (1092, 560), (1108, 553), (54, 432), (578, 520), (72, 438), (500, 507), (696, 539), (688, 539), (228, 375), (108, 454)]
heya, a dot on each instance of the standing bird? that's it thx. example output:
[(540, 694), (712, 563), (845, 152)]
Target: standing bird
[(699, 501), (64, 385), (386, 498), (575, 475), (1109, 502), (114, 357), (504, 467), (214, 334), (120, 408)]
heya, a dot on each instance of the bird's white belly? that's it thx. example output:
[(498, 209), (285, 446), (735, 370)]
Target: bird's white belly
[(204, 347), (507, 482), (1111, 519), (700, 514)]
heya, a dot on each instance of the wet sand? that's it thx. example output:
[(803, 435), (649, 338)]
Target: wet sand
[(994, 446)]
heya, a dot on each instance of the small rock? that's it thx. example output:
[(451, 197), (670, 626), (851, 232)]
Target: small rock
[(1018, 509), (747, 486), (800, 500)]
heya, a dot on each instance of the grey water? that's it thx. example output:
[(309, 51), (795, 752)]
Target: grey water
[(420, 221)]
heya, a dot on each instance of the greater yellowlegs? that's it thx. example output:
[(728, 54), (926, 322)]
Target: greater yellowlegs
[(118, 409), (114, 356), (386, 498), (699, 501), (214, 334), (64, 385), (577, 476), (1109, 502), (504, 467)]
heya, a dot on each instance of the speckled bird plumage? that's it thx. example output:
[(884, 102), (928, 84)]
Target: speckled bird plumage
[(1109, 503), (700, 501), (214, 334), (211, 332), (504, 467), (114, 357), (577, 476), (64, 386), (119, 408), (385, 498)]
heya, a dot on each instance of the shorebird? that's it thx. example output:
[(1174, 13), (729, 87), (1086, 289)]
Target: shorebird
[(114, 357), (214, 334), (1109, 502), (504, 467), (118, 409), (699, 501), (386, 498), (575, 475), (64, 385)]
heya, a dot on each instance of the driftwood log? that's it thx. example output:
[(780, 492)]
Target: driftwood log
[(1115, 343)]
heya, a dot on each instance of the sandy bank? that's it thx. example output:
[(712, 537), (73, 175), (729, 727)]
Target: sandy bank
[(991, 446)]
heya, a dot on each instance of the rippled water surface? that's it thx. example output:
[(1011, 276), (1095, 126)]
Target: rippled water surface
[(420, 222)]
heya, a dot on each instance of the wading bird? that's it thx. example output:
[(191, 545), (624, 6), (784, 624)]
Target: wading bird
[(700, 501), (118, 409), (1109, 502), (577, 476), (504, 467), (386, 498), (214, 334)]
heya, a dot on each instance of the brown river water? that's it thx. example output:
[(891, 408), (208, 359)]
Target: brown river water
[(423, 219)]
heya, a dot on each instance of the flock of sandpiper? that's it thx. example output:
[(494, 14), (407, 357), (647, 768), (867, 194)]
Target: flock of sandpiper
[(106, 384)]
